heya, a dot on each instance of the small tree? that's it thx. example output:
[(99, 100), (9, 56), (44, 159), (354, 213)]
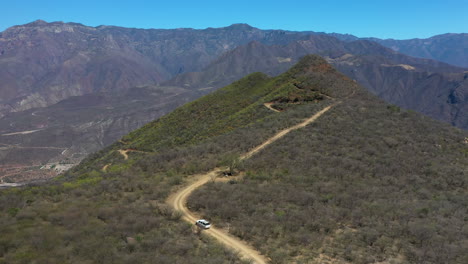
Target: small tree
[(232, 161)]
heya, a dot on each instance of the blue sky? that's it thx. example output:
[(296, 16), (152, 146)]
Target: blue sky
[(400, 19)]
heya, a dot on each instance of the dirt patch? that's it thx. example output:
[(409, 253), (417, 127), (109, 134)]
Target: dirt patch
[(283, 60), (104, 169), (22, 132), (22, 147), (124, 152), (404, 66)]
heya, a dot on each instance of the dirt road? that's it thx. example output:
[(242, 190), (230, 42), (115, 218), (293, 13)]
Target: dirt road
[(124, 152), (21, 147), (270, 106), (22, 132), (286, 131), (178, 200)]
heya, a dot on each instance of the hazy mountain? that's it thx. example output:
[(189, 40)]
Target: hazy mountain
[(449, 48), (427, 86), (440, 95)]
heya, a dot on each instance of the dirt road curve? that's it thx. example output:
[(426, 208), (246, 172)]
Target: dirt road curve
[(270, 106), (123, 152), (178, 200)]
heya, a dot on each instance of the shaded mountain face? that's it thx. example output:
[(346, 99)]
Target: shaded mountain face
[(42, 63), (275, 59), (440, 95), (40, 143), (427, 86), (449, 48)]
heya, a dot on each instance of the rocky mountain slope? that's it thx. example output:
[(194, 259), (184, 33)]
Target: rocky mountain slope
[(450, 48), (78, 78), (430, 87), (367, 182), (42, 63), (42, 142)]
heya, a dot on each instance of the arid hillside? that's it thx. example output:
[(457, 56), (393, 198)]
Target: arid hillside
[(366, 182)]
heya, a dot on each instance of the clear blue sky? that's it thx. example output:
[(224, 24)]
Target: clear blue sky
[(400, 19)]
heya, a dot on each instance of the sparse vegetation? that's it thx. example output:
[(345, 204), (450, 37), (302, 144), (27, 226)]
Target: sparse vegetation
[(361, 185), (367, 183)]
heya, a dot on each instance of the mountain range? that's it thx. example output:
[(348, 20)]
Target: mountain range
[(43, 63), (67, 90), (427, 86), (449, 48)]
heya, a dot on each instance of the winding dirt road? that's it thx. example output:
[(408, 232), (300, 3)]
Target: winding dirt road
[(178, 200), (124, 152)]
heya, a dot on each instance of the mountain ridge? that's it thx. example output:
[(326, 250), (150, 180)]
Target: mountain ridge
[(43, 64), (399, 79), (70, 58)]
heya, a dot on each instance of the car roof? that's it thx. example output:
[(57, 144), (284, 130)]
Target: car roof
[(203, 221)]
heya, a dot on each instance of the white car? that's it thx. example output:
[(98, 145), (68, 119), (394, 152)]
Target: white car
[(203, 223)]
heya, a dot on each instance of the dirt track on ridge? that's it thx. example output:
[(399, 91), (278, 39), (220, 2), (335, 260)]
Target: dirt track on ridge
[(270, 106), (178, 200)]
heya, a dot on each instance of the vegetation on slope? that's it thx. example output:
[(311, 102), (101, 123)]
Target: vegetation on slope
[(240, 104), (367, 183), (301, 197), (118, 215)]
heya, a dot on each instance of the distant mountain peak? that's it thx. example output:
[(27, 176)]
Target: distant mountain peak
[(38, 22), (241, 26)]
